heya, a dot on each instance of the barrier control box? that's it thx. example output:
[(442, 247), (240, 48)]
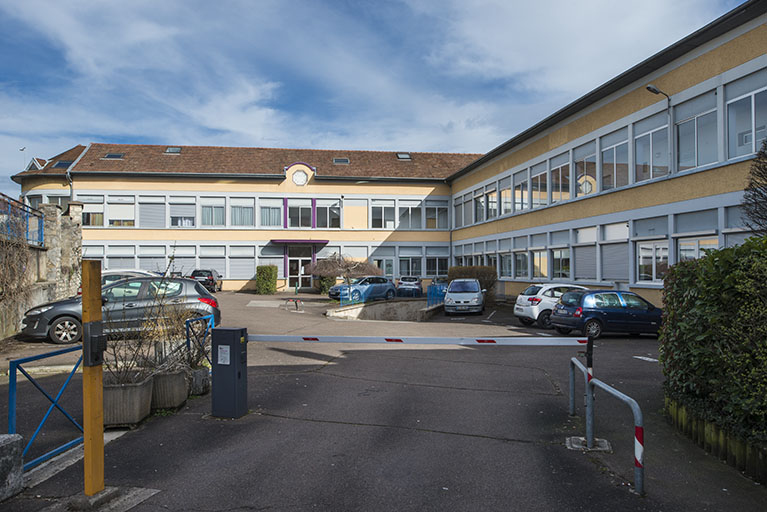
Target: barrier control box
[(230, 372)]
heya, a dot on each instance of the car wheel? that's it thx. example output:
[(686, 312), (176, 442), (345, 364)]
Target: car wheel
[(356, 296), (525, 321), (389, 294), (592, 329), (563, 330), (65, 330), (544, 320)]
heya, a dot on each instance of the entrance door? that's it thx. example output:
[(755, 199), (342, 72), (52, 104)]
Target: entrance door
[(386, 265), (299, 257)]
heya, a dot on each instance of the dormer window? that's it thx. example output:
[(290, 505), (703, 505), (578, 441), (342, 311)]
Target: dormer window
[(341, 161), (173, 150), (114, 156), (404, 156), (62, 164)]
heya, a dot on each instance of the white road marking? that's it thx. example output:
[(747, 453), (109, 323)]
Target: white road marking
[(490, 315), (264, 304), (643, 358)]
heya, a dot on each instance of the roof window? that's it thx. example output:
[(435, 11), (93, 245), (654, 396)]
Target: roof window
[(403, 156), (341, 161), (173, 149), (114, 156), (62, 164)]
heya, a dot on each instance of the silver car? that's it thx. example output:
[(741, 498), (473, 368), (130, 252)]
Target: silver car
[(536, 303), (464, 296)]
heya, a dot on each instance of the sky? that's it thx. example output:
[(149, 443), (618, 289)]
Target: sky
[(396, 75)]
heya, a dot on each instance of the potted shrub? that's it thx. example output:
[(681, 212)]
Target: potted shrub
[(128, 383)]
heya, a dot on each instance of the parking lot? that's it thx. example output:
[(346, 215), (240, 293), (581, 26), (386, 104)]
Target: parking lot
[(389, 427)]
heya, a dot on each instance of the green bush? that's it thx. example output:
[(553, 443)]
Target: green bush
[(326, 283), (487, 277), (713, 342), (266, 279)]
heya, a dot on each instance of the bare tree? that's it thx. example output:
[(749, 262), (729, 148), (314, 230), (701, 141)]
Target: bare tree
[(338, 266), (755, 196)]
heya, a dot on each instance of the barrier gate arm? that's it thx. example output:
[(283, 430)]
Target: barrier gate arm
[(505, 340)]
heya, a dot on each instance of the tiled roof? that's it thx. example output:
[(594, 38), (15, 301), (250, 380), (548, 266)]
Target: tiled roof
[(148, 159), (49, 167)]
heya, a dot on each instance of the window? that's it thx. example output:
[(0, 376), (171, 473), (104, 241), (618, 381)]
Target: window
[(299, 213), (651, 148), (122, 292), (383, 213), (213, 211), (173, 150), (560, 178), (467, 216), (652, 261), (152, 258), (491, 203), (242, 262), (615, 160), (696, 132), (341, 161), (62, 164), (457, 215), (491, 260), (520, 265), (93, 210), (436, 214), (694, 248), (746, 101), (436, 266), (506, 265), (162, 289), (271, 212), (114, 156), (409, 214), (34, 201), (410, 266), (560, 260), (506, 202), (539, 188), (479, 206), (585, 169), (212, 257), (328, 213), (540, 264), (521, 200), (122, 211), (182, 211), (243, 211), (151, 212), (404, 156)]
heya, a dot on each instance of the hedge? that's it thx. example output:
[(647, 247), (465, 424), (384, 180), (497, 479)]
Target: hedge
[(713, 342), (266, 279), (487, 277)]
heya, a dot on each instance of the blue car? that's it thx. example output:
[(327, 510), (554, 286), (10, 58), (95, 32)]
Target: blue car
[(593, 312), (364, 289)]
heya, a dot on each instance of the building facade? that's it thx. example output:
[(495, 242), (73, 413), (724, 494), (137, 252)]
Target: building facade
[(644, 171)]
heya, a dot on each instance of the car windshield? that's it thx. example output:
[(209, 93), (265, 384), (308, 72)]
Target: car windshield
[(531, 290), (200, 273), (408, 279), (463, 287), (572, 298)]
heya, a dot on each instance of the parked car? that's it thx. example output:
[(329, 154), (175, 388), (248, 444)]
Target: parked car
[(128, 304), (593, 312), (409, 286), (209, 278), (537, 301), (364, 289), (111, 276), (464, 296)]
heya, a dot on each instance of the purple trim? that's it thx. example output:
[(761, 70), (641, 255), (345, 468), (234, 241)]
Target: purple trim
[(285, 261), (314, 213), (285, 212), (291, 241)]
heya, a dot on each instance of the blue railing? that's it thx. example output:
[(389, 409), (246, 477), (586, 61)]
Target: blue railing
[(197, 338), (435, 294), (19, 221), (16, 365), (353, 296)]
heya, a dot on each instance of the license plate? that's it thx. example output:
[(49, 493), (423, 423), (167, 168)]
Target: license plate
[(462, 308), (518, 308)]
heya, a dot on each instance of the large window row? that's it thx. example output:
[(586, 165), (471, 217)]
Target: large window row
[(680, 139), (150, 211)]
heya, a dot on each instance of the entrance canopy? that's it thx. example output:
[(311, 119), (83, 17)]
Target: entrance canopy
[(289, 241)]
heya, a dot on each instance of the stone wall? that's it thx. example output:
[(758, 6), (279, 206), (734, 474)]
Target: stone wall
[(53, 270)]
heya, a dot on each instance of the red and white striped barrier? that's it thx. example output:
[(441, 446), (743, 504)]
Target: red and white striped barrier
[(521, 341), (639, 447)]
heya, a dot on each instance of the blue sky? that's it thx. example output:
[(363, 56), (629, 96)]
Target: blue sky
[(404, 75)]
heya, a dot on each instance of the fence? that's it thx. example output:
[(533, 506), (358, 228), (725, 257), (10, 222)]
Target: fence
[(15, 365), (435, 294), (19, 221)]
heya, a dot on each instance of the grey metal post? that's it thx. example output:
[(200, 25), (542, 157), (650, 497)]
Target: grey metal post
[(572, 389)]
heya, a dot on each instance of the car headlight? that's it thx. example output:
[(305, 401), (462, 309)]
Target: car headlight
[(449, 301), (475, 300), (38, 311)]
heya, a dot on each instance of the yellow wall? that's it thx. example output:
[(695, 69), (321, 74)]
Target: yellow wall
[(245, 235), (355, 217), (727, 56), (514, 288), (720, 180)]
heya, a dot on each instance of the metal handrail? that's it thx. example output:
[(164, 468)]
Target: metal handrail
[(200, 340), (435, 294), (14, 209), (12, 392)]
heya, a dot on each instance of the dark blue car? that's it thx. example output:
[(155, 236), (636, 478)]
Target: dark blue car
[(593, 312)]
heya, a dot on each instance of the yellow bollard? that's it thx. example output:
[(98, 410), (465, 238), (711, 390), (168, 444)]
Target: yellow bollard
[(93, 385)]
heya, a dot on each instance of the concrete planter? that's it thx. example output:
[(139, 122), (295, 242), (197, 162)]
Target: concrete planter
[(170, 390), (199, 381), (127, 404)]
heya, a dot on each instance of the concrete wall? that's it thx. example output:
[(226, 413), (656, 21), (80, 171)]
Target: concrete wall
[(11, 465), (412, 310)]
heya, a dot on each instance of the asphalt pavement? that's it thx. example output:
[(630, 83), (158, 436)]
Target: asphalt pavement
[(381, 427)]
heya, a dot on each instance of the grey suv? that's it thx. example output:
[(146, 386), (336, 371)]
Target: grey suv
[(128, 304)]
